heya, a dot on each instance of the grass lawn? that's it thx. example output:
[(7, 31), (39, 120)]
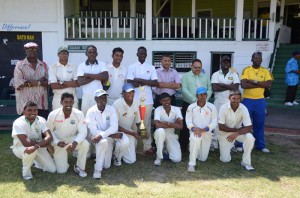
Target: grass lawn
[(276, 175)]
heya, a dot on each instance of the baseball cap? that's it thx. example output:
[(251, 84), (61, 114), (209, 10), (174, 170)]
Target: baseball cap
[(62, 48), (100, 92), (201, 90), (31, 45), (128, 87), (224, 58), (296, 53)]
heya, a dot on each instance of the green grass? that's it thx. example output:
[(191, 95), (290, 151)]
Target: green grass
[(276, 175)]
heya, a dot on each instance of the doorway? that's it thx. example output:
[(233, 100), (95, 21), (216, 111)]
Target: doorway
[(216, 60)]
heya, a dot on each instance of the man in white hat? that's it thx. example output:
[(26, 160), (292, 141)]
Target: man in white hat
[(128, 115), (63, 78), (30, 77), (102, 122)]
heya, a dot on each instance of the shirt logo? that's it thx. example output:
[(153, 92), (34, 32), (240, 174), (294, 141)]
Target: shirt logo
[(107, 118), (37, 130), (230, 78), (72, 121)]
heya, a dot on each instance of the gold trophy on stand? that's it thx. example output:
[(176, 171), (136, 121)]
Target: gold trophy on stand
[(143, 131)]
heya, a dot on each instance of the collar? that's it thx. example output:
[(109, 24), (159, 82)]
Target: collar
[(229, 106), (87, 63), (59, 64), (163, 69)]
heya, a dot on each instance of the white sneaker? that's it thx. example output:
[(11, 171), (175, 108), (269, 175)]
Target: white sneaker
[(265, 150), (295, 103), (116, 162), (80, 172), (191, 169), (157, 162), (97, 174), (248, 167), (28, 176), (239, 149), (288, 104)]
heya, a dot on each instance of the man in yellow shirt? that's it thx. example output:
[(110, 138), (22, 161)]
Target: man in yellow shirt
[(254, 80)]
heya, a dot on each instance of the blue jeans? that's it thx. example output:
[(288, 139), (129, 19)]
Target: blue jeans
[(256, 108)]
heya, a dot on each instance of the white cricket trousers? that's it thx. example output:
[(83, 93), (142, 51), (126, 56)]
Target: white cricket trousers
[(104, 150), (61, 155), (87, 102), (199, 147), (41, 155), (56, 102), (216, 132), (129, 155), (147, 121), (173, 147), (225, 146)]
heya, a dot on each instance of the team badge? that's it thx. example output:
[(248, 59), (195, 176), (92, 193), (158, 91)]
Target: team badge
[(72, 121), (230, 78)]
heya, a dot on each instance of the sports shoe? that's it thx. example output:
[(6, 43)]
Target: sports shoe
[(288, 104), (116, 162), (295, 103), (80, 172), (239, 149), (97, 174), (248, 167), (212, 147), (157, 162), (265, 150), (28, 176), (234, 150), (191, 168)]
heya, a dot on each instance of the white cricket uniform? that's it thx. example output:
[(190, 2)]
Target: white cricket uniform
[(34, 132), (104, 123), (200, 117), (59, 72), (128, 116), (162, 135), (89, 89), (147, 72), (68, 130), (222, 97), (235, 120), (117, 78)]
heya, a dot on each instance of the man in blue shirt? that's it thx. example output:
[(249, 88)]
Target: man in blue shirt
[(292, 79)]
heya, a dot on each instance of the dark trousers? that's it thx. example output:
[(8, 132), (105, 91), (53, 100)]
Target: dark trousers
[(184, 133), (291, 92), (157, 103)]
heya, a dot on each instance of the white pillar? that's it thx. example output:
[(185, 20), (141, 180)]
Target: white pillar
[(193, 15), (239, 12), (132, 14), (115, 13), (148, 20), (272, 24), (282, 4)]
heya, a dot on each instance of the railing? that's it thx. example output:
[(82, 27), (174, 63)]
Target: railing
[(104, 28), (193, 28), (256, 29)]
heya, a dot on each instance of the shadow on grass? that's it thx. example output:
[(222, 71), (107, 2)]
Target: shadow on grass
[(270, 166)]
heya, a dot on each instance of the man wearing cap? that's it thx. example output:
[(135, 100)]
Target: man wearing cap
[(254, 80), (190, 81), (69, 131), (201, 119), (292, 79), (127, 109), (167, 118), (168, 80), (102, 121), (30, 77), (223, 81), (235, 124), (90, 75), (116, 76), (63, 78), (143, 76)]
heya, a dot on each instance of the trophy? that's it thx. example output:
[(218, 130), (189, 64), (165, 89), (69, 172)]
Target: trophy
[(142, 108)]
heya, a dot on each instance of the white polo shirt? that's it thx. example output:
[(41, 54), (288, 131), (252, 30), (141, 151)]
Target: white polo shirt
[(63, 73), (230, 78), (63, 128), (127, 115), (104, 123), (144, 71), (95, 68), (201, 117), (161, 115), (33, 131), (117, 78), (234, 119)]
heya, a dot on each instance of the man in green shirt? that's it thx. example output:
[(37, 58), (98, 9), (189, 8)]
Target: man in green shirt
[(190, 81)]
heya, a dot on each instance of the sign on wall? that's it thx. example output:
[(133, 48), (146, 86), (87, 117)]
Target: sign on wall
[(12, 50)]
